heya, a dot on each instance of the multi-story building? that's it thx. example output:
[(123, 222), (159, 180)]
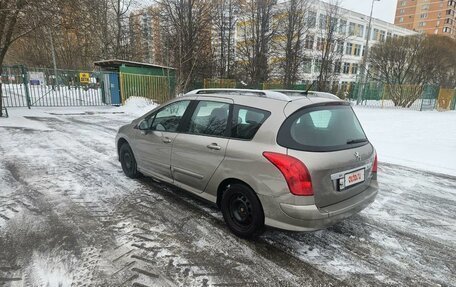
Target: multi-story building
[(145, 36), (350, 39), (428, 16)]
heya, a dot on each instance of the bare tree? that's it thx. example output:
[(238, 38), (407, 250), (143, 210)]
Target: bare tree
[(17, 19), (186, 30), (120, 8), (442, 54), (330, 44), (407, 64), (255, 32), (225, 25), (295, 28), (81, 33)]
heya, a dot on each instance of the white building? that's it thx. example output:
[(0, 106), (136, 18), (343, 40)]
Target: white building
[(356, 30), (352, 34)]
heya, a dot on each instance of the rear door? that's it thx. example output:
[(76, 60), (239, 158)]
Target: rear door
[(330, 141), (201, 147)]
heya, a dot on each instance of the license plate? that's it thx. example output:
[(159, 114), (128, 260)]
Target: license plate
[(353, 178)]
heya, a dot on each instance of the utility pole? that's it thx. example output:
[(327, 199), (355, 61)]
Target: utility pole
[(53, 59), (363, 71)]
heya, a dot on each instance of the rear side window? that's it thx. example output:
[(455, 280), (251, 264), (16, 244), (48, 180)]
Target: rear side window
[(247, 121), (322, 128), (209, 118)]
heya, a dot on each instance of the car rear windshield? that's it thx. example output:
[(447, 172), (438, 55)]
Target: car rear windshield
[(322, 128)]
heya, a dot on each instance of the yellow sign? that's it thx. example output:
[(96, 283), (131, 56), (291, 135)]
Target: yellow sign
[(84, 78)]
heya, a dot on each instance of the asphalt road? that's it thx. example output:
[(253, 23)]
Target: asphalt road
[(69, 217)]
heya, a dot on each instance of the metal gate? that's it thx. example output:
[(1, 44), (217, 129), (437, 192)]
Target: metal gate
[(36, 87), (429, 97)]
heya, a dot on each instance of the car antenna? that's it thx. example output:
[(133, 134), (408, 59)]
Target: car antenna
[(310, 87)]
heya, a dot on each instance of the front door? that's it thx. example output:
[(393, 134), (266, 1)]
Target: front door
[(200, 148), (154, 141)]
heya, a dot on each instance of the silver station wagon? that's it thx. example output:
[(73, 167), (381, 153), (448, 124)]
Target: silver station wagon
[(294, 163)]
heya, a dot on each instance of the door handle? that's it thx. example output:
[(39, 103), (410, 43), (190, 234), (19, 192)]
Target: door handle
[(166, 140), (213, 146)]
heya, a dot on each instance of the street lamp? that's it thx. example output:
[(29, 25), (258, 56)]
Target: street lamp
[(364, 61)]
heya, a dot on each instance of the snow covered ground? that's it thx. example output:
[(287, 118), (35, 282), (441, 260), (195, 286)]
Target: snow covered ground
[(69, 217), (423, 140)]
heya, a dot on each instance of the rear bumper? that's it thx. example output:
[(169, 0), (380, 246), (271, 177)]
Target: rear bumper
[(309, 217)]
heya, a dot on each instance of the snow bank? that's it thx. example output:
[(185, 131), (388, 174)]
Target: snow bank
[(421, 140), (137, 106)]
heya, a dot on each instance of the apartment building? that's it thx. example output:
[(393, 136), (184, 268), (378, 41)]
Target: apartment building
[(428, 16), (145, 36)]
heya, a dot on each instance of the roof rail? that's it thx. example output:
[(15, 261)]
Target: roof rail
[(292, 93), (242, 92)]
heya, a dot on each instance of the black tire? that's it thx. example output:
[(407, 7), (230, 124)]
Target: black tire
[(242, 211), (128, 161)]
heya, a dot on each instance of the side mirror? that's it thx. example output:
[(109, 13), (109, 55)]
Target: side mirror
[(143, 125)]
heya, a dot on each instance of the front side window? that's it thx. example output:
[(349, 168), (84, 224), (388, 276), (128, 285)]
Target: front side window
[(168, 118), (322, 128), (247, 121), (210, 118)]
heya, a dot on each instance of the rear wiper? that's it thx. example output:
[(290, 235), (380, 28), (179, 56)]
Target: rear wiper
[(357, 141)]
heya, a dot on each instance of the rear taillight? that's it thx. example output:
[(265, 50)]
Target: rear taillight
[(374, 166), (295, 172)]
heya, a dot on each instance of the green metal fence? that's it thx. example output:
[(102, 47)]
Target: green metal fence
[(380, 95), (373, 94), (38, 87), (219, 83), (453, 102)]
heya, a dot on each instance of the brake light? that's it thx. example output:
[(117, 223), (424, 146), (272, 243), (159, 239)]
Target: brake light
[(295, 172), (374, 166)]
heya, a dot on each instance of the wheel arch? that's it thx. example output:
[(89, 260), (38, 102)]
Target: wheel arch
[(121, 141), (225, 183)]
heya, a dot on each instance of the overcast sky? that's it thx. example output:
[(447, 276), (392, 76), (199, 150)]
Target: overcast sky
[(384, 9)]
